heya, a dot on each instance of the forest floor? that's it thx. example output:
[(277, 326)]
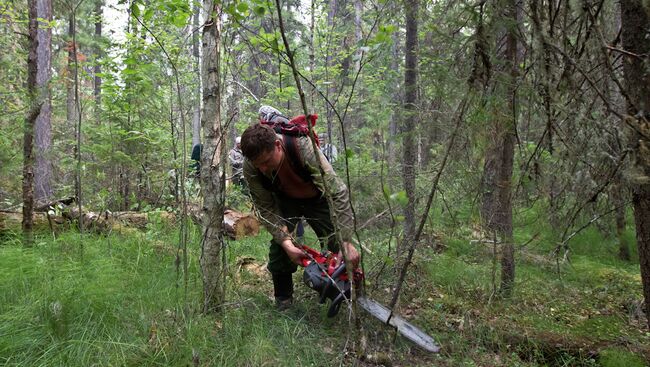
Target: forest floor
[(120, 300)]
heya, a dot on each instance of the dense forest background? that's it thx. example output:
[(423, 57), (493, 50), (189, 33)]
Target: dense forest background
[(498, 150)]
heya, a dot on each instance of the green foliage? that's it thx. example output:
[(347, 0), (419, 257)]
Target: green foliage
[(616, 357), (119, 301), (120, 304)]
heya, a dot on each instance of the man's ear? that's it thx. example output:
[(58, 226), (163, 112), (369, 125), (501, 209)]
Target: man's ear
[(278, 143)]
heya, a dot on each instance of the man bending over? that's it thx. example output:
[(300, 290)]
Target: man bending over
[(285, 184)]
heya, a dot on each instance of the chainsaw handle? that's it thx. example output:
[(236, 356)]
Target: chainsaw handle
[(340, 270), (330, 282)]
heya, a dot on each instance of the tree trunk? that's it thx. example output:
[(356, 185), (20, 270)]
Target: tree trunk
[(410, 117), (635, 17), (331, 88), (358, 30), (497, 174), (393, 123), (196, 116), (97, 88), (312, 50), (507, 157), (35, 102), (616, 192), (71, 111), (43, 123), (212, 167)]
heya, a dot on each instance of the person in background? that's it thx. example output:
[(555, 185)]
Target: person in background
[(196, 160), (236, 160), (327, 148)]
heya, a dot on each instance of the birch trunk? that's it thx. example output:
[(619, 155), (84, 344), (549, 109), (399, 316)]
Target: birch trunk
[(212, 168)]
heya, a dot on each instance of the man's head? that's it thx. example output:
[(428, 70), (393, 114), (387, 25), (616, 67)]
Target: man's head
[(261, 146), (238, 142)]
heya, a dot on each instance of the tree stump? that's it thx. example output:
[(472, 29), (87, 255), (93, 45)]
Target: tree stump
[(238, 225)]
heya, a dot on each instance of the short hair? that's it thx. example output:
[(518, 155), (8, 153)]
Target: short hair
[(256, 140)]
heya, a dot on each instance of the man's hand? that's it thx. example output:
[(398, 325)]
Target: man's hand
[(352, 254), (295, 254)]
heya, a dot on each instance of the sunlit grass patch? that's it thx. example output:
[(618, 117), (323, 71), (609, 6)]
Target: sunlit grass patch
[(618, 357)]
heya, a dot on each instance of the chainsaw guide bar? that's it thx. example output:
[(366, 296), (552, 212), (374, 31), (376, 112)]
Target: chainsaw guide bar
[(409, 331), (326, 275)]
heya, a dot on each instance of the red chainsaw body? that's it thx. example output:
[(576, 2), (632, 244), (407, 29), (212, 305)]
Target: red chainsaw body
[(328, 260)]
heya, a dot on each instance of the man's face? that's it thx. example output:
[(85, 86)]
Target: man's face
[(269, 161)]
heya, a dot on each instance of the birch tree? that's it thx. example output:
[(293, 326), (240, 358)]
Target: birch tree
[(212, 167)]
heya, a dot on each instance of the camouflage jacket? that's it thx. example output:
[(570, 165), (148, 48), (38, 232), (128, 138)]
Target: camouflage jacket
[(265, 200)]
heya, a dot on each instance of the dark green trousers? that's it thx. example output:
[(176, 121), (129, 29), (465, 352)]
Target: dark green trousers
[(317, 213)]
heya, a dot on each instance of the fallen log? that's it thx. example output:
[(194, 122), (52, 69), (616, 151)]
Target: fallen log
[(41, 221), (55, 204), (107, 220), (236, 225)]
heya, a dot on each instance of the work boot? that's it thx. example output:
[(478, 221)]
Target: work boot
[(283, 290), (283, 303)]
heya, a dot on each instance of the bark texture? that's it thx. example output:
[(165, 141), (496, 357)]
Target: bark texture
[(635, 20), (196, 115), (410, 116), (71, 112), (43, 123), (37, 131), (496, 209), (212, 167), (28, 130), (97, 79)]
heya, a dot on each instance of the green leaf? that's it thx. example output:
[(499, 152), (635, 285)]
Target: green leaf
[(242, 7), (275, 45), (390, 28), (259, 10), (349, 153), (400, 198), (148, 14), (230, 9), (381, 37), (135, 10), (180, 19), (386, 190)]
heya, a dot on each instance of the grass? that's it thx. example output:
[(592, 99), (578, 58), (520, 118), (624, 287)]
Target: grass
[(122, 303), (119, 300)]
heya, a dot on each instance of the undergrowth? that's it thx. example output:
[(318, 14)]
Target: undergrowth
[(119, 300)]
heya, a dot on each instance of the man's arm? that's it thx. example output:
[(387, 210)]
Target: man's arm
[(269, 212), (336, 186), (266, 208), (339, 192)]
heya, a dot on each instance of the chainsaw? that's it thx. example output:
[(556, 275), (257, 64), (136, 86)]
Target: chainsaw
[(325, 274)]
